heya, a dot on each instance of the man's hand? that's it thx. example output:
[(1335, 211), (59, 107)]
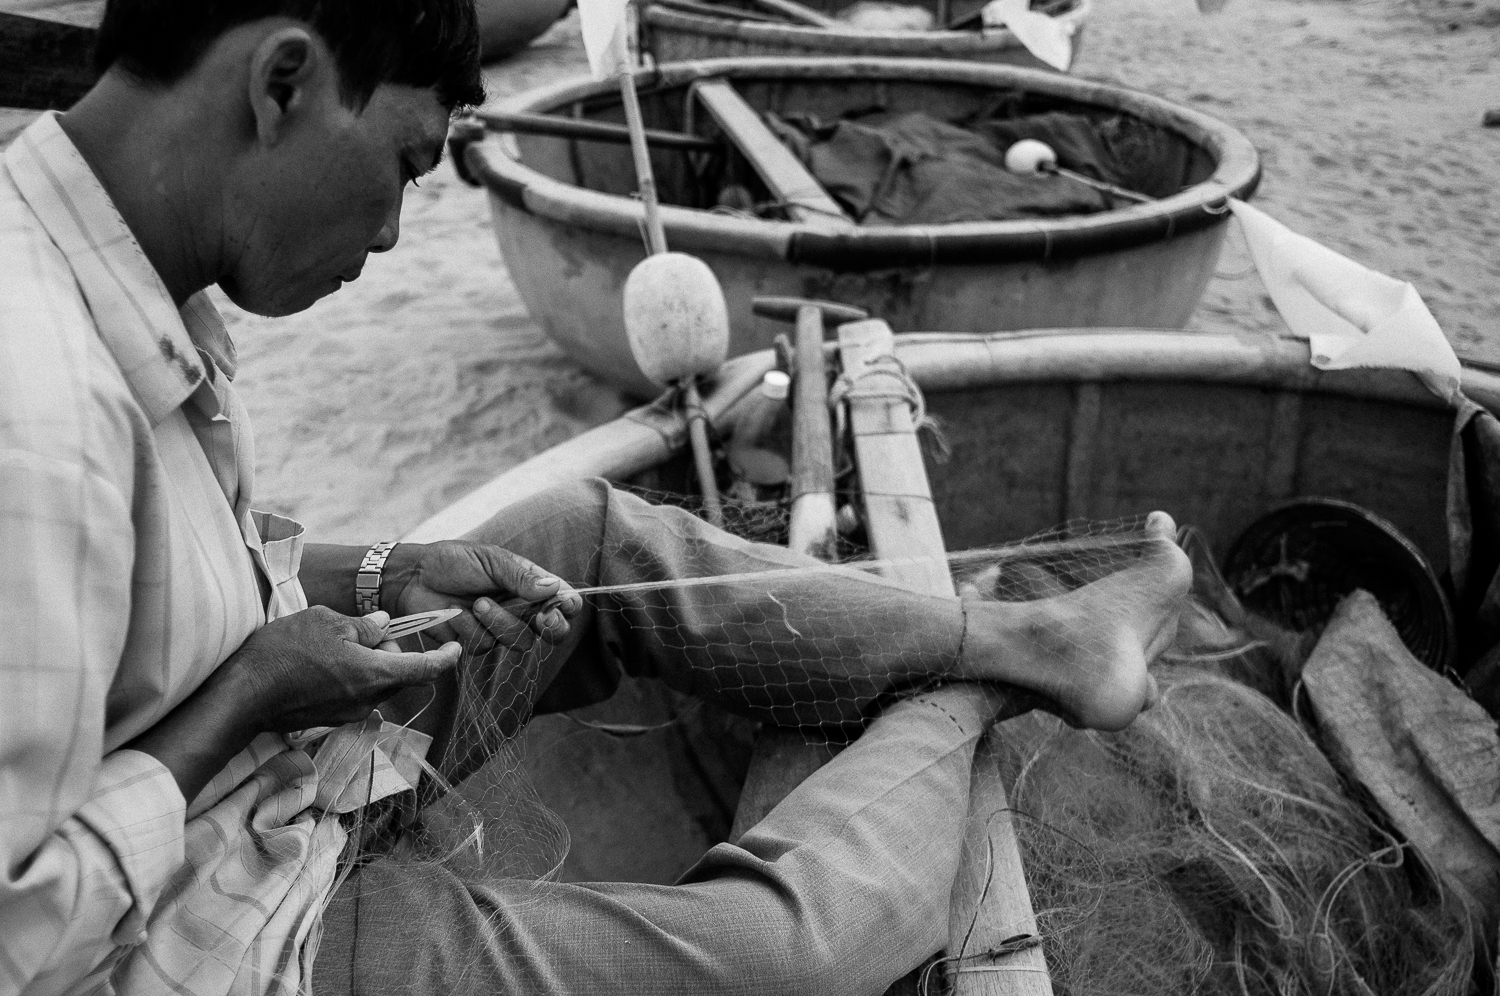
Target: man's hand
[(477, 578), (312, 668), (317, 668)]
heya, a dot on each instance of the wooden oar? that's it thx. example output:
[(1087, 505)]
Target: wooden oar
[(990, 903)]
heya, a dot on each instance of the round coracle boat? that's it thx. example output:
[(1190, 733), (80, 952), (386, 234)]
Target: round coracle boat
[(570, 227), (680, 32), (1048, 426), (1043, 427)]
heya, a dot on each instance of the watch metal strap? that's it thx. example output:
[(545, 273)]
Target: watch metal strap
[(367, 578)]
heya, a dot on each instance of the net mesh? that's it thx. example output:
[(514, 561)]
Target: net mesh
[(1209, 848)]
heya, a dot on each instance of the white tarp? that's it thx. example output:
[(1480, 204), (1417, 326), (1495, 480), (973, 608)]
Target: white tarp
[(1350, 314)]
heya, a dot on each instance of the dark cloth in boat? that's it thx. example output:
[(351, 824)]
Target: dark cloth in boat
[(916, 169)]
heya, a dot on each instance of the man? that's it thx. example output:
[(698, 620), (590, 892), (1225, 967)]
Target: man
[(164, 825)]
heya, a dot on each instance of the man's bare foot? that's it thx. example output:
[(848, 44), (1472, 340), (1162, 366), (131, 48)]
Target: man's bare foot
[(1086, 651)]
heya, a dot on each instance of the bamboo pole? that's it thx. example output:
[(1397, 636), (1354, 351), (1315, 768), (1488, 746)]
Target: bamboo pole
[(656, 242)]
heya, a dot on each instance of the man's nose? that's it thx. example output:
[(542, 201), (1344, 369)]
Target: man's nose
[(389, 232)]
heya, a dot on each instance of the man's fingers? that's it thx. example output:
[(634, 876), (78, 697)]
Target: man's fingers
[(516, 574), (506, 628), (476, 639), (1159, 525), (550, 623), (426, 667), (370, 630)]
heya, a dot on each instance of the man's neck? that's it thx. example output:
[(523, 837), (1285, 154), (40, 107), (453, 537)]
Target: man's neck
[(145, 148)]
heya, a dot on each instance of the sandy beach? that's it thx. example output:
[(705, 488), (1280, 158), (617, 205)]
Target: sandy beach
[(426, 377)]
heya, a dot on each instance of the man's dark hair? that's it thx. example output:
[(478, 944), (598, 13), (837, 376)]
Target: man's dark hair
[(432, 44)]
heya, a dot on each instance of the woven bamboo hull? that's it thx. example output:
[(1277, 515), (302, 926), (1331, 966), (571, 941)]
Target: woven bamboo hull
[(570, 231), (674, 36), (574, 277), (1044, 427)]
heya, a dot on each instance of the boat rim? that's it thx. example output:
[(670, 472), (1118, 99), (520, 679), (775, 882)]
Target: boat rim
[(914, 43), (1199, 206), (943, 361)]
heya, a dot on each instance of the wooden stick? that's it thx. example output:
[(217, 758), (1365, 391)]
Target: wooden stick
[(1103, 186), (789, 181), (814, 526), (902, 522), (702, 458), (656, 235), (601, 131)]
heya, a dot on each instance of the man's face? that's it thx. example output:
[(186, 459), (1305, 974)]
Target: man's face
[(307, 211)]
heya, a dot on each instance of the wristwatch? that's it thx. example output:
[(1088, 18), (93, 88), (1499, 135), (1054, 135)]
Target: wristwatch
[(367, 578)]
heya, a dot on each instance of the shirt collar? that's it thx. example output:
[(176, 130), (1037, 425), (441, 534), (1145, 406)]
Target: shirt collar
[(156, 346)]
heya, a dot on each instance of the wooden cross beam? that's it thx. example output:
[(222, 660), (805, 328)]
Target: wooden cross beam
[(903, 526), (783, 173)]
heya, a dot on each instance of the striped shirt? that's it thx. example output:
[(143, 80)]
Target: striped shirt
[(129, 564)]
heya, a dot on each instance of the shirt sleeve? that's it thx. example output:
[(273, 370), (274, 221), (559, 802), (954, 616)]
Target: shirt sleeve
[(87, 841)]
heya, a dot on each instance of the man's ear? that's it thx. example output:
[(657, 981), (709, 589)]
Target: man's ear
[(283, 68)]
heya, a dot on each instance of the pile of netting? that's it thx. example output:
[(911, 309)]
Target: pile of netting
[(1211, 848)]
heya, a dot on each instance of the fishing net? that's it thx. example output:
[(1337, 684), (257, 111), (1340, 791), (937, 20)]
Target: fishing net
[(1212, 848), (1209, 848)]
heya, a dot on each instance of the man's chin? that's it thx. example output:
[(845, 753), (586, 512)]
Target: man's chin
[(279, 302)]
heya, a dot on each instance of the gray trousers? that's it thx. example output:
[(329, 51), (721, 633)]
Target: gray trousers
[(843, 888)]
